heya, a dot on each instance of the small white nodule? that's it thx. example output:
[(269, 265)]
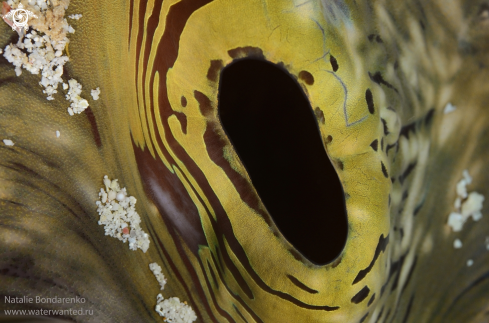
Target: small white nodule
[(112, 195), (57, 133), (457, 244), (470, 262), (95, 93), (120, 196), (449, 108), (8, 142), (456, 221)]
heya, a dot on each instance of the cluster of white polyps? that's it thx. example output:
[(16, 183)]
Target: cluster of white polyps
[(466, 204), (156, 269), (41, 50), (174, 311), (118, 214), (78, 105), (41, 57)]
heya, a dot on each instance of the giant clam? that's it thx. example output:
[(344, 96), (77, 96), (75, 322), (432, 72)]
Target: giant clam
[(375, 77)]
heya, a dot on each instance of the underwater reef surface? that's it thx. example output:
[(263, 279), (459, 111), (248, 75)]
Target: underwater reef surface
[(398, 92)]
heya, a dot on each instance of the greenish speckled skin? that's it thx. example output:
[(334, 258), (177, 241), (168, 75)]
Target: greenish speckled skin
[(209, 231)]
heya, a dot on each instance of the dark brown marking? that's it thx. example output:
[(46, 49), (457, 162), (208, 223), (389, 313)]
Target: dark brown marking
[(389, 147), (371, 300), (396, 269), (407, 172), (380, 314), (382, 144), (386, 130), (282, 66), (248, 51), (384, 170), (407, 129), (375, 37), (361, 295), (214, 69), (380, 248), (93, 126), (429, 117), (421, 23), (340, 164), (370, 101), (411, 270), (21, 168), (217, 261), (183, 101), (336, 262), (213, 275), (239, 313), (306, 77), (418, 208), (268, 219), (481, 279), (319, 115), (183, 120), (408, 310), (301, 285), (363, 318), (375, 145), (334, 63), (405, 195), (377, 78), (131, 11), (329, 139), (205, 104), (295, 254)]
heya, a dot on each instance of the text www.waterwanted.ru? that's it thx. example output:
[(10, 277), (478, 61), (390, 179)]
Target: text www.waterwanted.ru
[(49, 312)]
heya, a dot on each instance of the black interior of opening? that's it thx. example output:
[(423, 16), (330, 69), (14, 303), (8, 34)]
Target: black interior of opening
[(272, 127)]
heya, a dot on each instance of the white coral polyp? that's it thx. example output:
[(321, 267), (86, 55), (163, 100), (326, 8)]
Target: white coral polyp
[(473, 204), (95, 93)]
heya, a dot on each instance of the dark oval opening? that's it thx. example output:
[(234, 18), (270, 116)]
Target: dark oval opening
[(272, 127)]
